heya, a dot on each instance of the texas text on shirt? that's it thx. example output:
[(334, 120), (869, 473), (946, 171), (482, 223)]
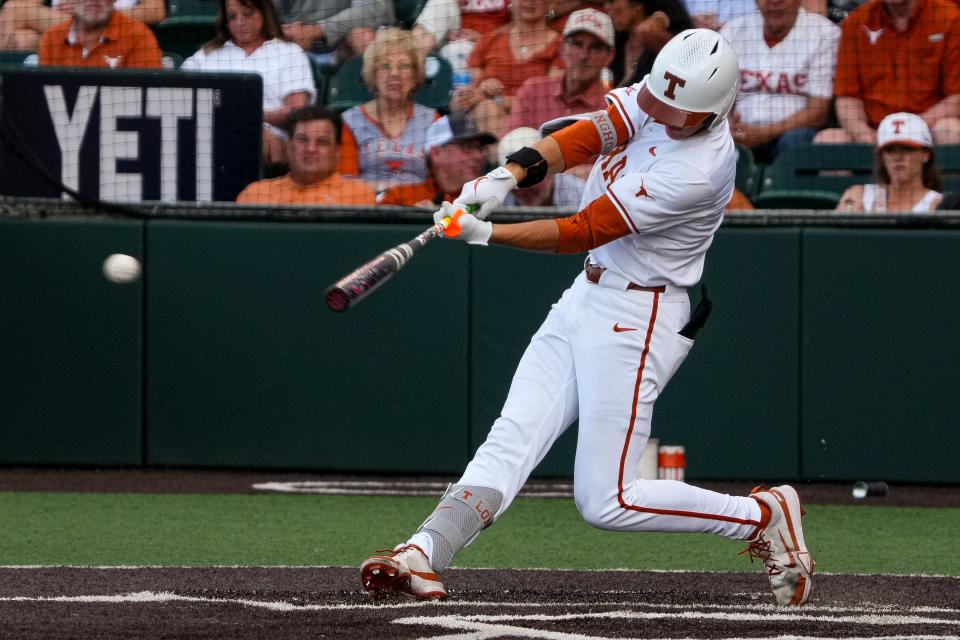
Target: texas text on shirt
[(650, 208)]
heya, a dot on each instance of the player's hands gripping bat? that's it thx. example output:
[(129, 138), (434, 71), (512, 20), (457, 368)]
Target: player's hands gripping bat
[(464, 226), (487, 192), (364, 280)]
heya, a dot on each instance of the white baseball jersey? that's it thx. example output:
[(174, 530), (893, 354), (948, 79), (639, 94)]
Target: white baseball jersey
[(671, 193), (775, 82)]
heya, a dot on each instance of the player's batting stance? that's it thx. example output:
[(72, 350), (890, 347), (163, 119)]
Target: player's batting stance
[(653, 201)]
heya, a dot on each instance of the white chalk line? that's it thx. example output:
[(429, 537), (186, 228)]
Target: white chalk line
[(386, 488), (349, 566), (904, 615)]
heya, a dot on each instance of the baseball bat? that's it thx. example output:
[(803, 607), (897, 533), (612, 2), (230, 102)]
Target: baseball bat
[(367, 278)]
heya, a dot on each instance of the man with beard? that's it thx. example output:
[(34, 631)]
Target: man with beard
[(98, 36), (587, 49)]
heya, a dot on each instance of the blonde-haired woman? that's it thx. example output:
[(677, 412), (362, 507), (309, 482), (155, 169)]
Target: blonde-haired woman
[(383, 139), (907, 177)]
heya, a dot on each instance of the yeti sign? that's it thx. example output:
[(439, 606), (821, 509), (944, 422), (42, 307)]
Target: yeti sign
[(127, 136)]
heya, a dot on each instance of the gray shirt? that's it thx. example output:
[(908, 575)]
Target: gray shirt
[(337, 17)]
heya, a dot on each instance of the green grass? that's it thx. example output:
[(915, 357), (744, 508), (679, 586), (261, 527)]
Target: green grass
[(150, 529)]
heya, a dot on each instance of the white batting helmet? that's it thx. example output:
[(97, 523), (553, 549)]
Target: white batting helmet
[(694, 78)]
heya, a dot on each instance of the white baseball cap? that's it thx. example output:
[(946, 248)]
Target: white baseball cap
[(592, 21), (904, 128), (456, 127), (514, 141)]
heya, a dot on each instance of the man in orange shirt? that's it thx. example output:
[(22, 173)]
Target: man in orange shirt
[(898, 55), (312, 151), (455, 150), (98, 36)]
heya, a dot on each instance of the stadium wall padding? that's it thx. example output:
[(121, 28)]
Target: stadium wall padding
[(830, 354), (72, 356)]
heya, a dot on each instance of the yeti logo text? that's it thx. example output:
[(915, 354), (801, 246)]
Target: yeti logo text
[(164, 103), (675, 81)]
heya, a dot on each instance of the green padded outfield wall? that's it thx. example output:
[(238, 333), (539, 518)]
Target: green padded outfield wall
[(831, 353), (70, 366), (735, 399), (881, 368), (741, 376), (249, 368)]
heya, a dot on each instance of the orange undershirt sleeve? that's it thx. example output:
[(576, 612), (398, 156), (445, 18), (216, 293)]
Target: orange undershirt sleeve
[(594, 226), (581, 142)]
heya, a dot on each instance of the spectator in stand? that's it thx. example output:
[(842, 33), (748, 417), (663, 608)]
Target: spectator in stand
[(98, 36), (787, 58), (249, 39), (643, 27), (455, 26), (713, 14), (559, 11), (383, 139), (906, 174), (455, 153), (587, 50), (22, 22), (437, 20), (525, 47), (312, 149), (563, 190), (898, 56), (344, 26)]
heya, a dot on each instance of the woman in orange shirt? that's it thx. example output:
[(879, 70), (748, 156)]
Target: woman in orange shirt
[(525, 47)]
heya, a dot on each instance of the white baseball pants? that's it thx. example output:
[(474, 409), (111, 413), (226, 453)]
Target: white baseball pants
[(603, 355)]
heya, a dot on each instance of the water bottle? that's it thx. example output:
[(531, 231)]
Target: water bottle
[(461, 79)]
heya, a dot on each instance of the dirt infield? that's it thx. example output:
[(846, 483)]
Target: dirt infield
[(327, 603)]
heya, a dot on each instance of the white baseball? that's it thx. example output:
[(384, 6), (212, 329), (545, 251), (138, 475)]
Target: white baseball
[(121, 268)]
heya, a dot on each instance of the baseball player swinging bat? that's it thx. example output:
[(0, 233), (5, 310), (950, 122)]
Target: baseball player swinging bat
[(365, 279)]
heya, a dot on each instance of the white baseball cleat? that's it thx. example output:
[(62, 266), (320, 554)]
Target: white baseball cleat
[(781, 547), (405, 570)]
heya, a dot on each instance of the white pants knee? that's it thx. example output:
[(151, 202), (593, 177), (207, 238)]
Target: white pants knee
[(603, 355)]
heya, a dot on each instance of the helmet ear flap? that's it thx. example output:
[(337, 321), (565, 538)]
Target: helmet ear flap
[(725, 108)]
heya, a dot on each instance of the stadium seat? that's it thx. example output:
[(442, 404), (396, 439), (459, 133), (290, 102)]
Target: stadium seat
[(171, 60), (407, 11), (189, 24), (948, 161), (814, 176), (749, 172), (347, 89), (14, 58), (346, 86), (437, 84)]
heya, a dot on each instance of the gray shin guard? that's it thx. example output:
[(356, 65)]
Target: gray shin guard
[(463, 512)]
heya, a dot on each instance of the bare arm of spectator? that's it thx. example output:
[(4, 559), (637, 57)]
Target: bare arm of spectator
[(436, 20), (852, 199), (949, 107), (278, 117), (813, 116), (149, 11), (853, 118), (816, 6)]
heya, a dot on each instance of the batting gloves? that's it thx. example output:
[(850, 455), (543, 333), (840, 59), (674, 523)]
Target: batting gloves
[(472, 230), (487, 191)]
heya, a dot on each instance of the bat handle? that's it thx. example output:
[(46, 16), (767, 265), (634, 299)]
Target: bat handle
[(451, 226)]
